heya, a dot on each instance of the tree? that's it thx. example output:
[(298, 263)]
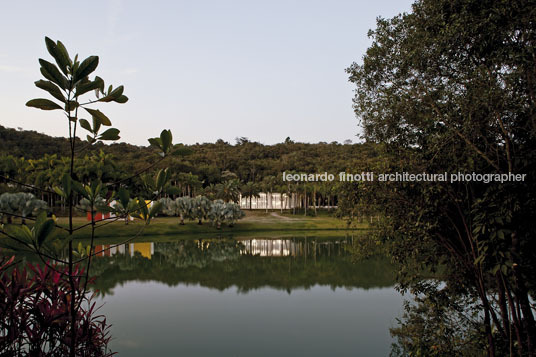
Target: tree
[(228, 190), (217, 213), (221, 212), (250, 190), (200, 208), (450, 88), (68, 82), (268, 184)]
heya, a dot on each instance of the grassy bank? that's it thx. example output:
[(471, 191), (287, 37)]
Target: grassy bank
[(255, 223)]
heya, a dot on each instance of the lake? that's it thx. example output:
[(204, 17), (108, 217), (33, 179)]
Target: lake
[(261, 296)]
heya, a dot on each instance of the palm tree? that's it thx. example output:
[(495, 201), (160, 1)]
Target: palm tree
[(229, 190), (217, 213), (282, 190), (201, 208), (232, 213), (184, 208), (250, 189), (210, 191), (269, 183)]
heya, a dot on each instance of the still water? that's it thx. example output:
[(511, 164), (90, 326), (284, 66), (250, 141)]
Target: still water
[(265, 296)]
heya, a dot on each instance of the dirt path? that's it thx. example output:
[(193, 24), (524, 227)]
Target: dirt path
[(272, 217), (283, 218)]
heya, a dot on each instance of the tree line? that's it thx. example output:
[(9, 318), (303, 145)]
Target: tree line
[(216, 170)]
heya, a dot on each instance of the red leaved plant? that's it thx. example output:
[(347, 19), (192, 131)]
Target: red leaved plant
[(35, 313)]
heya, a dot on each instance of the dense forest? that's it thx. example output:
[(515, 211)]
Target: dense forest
[(217, 170)]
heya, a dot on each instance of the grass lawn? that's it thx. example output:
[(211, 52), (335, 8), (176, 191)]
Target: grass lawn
[(255, 223)]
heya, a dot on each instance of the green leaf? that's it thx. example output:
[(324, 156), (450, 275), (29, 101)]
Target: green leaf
[(79, 188), (504, 269), (63, 53), (103, 119), (495, 269), (166, 138), (86, 67), (83, 87), (22, 233), (124, 197), (43, 230), (142, 207), (155, 208), (96, 124), (85, 124), (66, 183), (161, 179), (59, 52), (116, 93), (122, 99), (110, 134), (52, 73), (155, 142), (59, 191), (53, 89), (43, 104)]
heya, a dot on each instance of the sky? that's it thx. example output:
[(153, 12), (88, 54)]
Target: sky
[(207, 70)]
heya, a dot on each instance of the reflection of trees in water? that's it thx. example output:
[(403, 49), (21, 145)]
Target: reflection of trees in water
[(199, 254), (221, 264)]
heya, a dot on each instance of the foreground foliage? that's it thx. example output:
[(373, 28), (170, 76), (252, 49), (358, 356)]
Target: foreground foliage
[(74, 181), (35, 314), (450, 87)]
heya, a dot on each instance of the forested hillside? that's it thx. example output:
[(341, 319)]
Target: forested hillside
[(34, 162), (250, 161)]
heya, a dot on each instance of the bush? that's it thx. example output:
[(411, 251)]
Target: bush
[(35, 313)]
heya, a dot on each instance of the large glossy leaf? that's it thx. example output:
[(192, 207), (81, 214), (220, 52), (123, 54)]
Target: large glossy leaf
[(79, 188), (86, 67), (66, 182), (155, 142), (113, 95), (110, 134), (52, 73), (59, 191), (85, 124), (100, 116), (124, 196), (122, 99), (59, 52), (43, 104), (96, 124), (63, 53), (166, 138), (155, 208), (53, 89), (43, 228), (161, 179), (21, 233), (86, 86)]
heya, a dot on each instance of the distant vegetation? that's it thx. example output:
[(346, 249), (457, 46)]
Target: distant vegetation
[(217, 170)]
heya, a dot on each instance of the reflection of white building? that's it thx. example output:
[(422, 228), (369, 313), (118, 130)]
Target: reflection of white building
[(271, 247), (268, 201)]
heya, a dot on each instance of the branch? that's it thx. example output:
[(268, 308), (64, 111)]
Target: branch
[(31, 219), (26, 185)]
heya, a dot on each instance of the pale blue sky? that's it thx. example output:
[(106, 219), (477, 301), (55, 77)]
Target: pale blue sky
[(204, 69)]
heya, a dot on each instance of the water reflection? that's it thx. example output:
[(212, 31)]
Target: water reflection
[(248, 264), (248, 297)]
